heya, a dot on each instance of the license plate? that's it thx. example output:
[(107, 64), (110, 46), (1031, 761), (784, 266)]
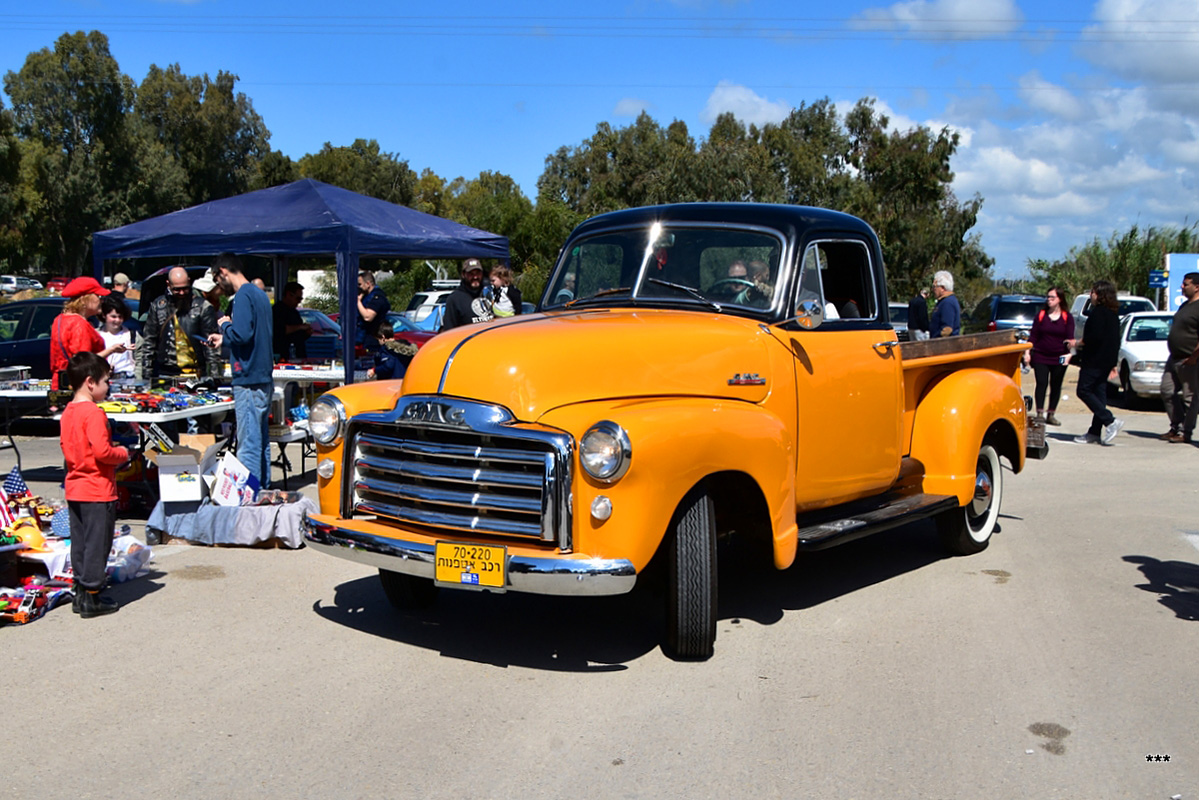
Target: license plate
[(470, 565)]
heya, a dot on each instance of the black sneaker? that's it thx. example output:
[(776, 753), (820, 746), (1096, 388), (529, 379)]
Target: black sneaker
[(93, 605), (75, 602)]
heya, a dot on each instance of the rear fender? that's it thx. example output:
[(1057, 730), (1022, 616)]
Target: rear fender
[(677, 443), (952, 420)]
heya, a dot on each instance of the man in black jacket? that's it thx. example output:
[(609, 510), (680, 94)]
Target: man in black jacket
[(1100, 351), (466, 304), (175, 334)]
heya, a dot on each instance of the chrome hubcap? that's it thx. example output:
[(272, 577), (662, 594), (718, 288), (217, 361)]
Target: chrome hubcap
[(982, 494)]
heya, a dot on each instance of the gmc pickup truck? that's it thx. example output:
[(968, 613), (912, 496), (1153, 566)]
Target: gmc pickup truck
[(693, 371)]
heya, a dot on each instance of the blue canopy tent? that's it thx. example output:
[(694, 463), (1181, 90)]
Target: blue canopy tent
[(309, 218)]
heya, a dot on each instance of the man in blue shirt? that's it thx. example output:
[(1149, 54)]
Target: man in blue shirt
[(247, 329), (947, 316)]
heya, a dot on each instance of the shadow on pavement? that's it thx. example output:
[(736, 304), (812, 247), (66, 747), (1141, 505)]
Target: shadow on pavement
[(600, 634), (131, 591), (763, 594), (568, 634), (1177, 583)]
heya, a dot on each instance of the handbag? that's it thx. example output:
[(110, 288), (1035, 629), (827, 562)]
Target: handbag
[(63, 384)]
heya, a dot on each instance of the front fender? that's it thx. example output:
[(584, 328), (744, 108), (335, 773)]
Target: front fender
[(951, 420), (676, 443)]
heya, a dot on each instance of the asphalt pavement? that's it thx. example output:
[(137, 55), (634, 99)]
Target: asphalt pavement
[(1058, 663)]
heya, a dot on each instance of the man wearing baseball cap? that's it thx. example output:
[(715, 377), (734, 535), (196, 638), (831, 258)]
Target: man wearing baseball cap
[(466, 304), (72, 333)]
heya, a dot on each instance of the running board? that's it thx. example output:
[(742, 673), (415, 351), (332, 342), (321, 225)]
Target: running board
[(840, 524)]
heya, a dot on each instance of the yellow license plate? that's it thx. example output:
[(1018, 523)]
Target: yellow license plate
[(469, 565)]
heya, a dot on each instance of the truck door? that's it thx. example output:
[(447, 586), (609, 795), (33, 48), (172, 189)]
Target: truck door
[(850, 389)]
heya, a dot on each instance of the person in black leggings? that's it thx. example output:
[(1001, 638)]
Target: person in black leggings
[(1050, 336)]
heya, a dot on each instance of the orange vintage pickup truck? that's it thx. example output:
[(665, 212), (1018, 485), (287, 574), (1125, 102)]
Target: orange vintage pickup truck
[(693, 371)]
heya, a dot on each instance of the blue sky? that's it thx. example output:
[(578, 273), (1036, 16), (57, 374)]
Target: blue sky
[(1077, 119)]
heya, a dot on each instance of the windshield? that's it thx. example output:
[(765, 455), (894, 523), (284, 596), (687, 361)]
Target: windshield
[(1019, 310), (714, 267), (1130, 306), (1149, 329)]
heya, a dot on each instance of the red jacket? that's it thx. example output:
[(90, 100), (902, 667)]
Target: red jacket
[(70, 334), (92, 460)]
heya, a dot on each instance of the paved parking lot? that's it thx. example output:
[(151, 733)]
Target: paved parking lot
[(1058, 663)]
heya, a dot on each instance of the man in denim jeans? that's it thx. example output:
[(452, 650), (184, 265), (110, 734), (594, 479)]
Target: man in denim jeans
[(247, 329)]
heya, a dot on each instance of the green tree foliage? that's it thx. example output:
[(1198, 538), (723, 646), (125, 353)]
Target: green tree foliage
[(896, 181), (430, 194), (642, 164), (493, 202), (210, 129), (11, 200), (1125, 259), (903, 192), (275, 169), (69, 104), (364, 168)]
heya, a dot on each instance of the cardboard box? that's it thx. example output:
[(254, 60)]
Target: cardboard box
[(180, 473)]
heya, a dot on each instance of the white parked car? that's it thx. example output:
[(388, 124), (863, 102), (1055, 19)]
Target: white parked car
[(1143, 352), (1129, 304), (425, 303)]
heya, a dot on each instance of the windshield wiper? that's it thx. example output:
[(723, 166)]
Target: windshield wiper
[(691, 290), (600, 293)]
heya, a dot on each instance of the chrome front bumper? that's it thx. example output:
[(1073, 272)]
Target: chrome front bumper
[(559, 576), (1146, 383)]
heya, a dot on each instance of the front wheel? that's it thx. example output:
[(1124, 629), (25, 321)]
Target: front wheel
[(405, 592), (691, 594), (967, 530)]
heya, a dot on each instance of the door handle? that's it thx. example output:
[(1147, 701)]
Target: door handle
[(887, 345)]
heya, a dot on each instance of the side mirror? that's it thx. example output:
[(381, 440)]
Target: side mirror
[(810, 314)]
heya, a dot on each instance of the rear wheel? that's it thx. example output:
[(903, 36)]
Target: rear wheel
[(405, 592), (691, 594), (967, 530)]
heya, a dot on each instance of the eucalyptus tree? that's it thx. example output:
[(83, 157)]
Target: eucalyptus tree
[(364, 168), (69, 106), (211, 129)]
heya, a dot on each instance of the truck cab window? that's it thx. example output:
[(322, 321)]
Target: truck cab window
[(837, 273)]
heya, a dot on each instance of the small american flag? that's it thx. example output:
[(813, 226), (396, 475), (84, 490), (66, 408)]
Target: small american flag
[(14, 484), (6, 517)]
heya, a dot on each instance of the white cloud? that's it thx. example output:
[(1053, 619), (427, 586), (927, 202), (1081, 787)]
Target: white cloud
[(629, 107), (1041, 95), (745, 104), (1129, 172), (1150, 40), (1043, 232), (989, 170), (1064, 204), (952, 19)]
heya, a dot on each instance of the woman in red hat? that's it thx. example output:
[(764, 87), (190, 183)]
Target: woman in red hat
[(71, 332)]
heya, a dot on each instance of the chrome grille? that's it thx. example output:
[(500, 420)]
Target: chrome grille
[(476, 475)]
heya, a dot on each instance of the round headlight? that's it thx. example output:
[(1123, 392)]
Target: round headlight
[(605, 452), (326, 419)]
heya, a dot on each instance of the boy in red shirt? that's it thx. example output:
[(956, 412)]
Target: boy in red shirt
[(91, 487)]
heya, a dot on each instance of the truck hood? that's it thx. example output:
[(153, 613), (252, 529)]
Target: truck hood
[(533, 364)]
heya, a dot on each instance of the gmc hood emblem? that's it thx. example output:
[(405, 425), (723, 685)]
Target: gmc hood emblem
[(433, 413), (747, 379)]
